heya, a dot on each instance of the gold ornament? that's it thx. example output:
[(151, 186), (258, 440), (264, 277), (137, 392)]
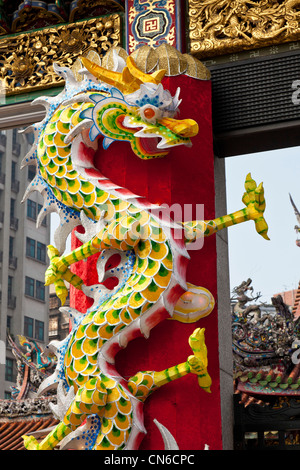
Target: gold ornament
[(26, 59), (219, 27)]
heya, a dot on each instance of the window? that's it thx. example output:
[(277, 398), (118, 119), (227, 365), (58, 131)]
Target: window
[(28, 327), (12, 208), (11, 246), (44, 223), (9, 370), (37, 325), (35, 249), (8, 323), (39, 330), (29, 137), (31, 172), (34, 289), (10, 287), (13, 219), (13, 171), (15, 136), (41, 251), (40, 290), (29, 286), (11, 299), (30, 247), (31, 209)]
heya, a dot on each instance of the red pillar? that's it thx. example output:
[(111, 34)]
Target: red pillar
[(185, 176)]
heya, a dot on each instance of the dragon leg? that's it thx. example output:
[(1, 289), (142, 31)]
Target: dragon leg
[(144, 383), (254, 200), (90, 399), (53, 438), (122, 235)]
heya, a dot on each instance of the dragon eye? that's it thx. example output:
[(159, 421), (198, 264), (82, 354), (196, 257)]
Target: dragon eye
[(149, 113)]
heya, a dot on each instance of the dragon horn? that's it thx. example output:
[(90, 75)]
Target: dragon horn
[(129, 80), (155, 77), (107, 76)]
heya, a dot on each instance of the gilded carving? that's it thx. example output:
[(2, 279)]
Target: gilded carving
[(90, 8), (26, 59), (149, 60), (170, 59), (219, 27), (40, 14)]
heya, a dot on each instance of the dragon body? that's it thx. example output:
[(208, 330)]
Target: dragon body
[(136, 245)]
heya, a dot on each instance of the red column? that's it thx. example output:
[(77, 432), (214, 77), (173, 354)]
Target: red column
[(185, 176)]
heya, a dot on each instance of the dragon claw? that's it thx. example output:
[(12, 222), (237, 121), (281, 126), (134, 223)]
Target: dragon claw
[(198, 361), (197, 344), (61, 290), (195, 364), (30, 442), (254, 201), (57, 272), (56, 268)]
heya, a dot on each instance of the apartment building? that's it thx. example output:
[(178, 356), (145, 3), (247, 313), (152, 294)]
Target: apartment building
[(23, 254), (59, 322)]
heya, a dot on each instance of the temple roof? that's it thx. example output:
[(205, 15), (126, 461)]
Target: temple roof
[(11, 431), (268, 381)]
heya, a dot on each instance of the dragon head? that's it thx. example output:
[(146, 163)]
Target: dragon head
[(138, 110)]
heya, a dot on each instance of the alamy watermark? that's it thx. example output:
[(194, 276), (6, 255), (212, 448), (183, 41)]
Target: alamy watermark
[(172, 223), (172, 219), (296, 353), (296, 93)]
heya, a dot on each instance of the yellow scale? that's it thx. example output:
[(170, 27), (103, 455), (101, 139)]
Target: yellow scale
[(142, 289)]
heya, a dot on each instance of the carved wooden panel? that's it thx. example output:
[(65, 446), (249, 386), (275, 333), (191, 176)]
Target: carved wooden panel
[(26, 59), (218, 27)]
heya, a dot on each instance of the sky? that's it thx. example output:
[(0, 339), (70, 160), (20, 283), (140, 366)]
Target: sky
[(272, 265)]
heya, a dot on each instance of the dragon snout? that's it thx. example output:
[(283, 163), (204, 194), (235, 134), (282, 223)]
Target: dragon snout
[(183, 127)]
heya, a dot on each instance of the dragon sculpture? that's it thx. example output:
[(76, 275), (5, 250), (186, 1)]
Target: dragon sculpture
[(34, 353), (97, 407), (32, 367)]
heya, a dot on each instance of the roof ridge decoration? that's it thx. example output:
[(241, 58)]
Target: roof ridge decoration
[(265, 345)]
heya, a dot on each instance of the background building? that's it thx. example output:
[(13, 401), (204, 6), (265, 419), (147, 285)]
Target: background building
[(23, 254), (292, 299), (59, 322)]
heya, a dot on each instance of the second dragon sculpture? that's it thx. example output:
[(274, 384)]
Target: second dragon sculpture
[(125, 105)]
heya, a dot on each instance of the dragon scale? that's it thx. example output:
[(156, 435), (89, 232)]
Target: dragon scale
[(132, 107)]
